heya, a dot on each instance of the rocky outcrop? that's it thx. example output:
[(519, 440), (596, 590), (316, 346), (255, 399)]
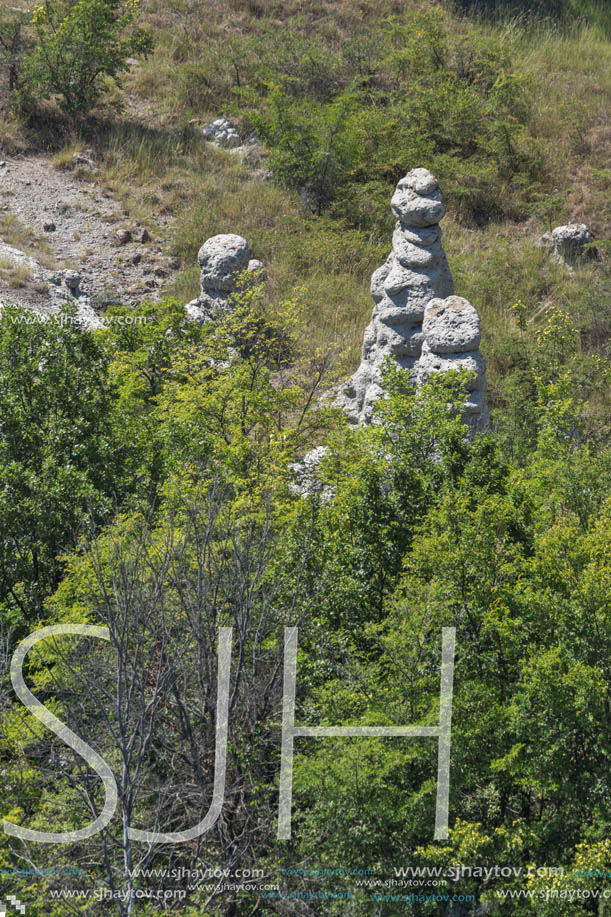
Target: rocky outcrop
[(452, 335), (569, 243), (222, 259), (223, 133), (46, 292), (416, 318)]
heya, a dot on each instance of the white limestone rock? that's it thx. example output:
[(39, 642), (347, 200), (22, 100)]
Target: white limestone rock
[(451, 325), (49, 291), (451, 332), (307, 478), (417, 321), (417, 200), (223, 133), (569, 243), (431, 362), (415, 272), (220, 259)]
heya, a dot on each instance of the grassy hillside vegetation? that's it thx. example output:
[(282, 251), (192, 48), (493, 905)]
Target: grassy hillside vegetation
[(510, 113), (171, 468)]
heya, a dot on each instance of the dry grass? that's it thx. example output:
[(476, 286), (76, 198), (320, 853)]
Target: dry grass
[(155, 165), (18, 235), (15, 275), (570, 78), (64, 159)]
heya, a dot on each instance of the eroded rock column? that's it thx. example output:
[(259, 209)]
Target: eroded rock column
[(221, 260), (415, 276)]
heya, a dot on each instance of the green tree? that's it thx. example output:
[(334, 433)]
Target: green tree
[(79, 44), (12, 45), (62, 458)]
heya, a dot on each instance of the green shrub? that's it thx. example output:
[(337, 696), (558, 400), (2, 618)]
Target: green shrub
[(78, 46), (12, 45), (426, 94)]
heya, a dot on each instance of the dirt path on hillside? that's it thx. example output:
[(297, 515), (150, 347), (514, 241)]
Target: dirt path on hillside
[(80, 226)]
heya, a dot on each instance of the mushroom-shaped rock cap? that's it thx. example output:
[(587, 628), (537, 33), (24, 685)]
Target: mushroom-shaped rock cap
[(220, 259), (451, 325), (573, 234), (417, 200)]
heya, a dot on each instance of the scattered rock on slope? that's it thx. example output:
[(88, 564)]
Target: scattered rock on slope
[(569, 243), (223, 133), (86, 218), (45, 292)]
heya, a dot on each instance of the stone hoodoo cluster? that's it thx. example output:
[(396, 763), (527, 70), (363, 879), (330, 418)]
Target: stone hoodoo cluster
[(416, 319), (221, 261)]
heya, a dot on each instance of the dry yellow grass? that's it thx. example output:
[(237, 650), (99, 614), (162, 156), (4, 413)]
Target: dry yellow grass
[(16, 275), (17, 235)]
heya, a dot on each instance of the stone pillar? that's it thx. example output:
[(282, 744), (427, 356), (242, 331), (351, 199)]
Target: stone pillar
[(415, 275)]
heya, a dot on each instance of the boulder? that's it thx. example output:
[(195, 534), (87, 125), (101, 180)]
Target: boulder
[(451, 325), (569, 243), (220, 259)]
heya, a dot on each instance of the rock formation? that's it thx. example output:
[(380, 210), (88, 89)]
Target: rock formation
[(221, 260), (223, 133), (45, 291), (451, 341), (416, 319), (569, 243)]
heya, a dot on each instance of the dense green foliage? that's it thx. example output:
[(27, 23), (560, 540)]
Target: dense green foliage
[(343, 126), (70, 49), (191, 431), (146, 483)]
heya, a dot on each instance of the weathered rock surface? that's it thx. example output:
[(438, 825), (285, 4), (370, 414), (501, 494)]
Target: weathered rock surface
[(416, 318), (451, 325), (223, 133), (569, 243), (451, 340), (45, 292), (221, 260)]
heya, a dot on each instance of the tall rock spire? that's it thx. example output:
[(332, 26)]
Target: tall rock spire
[(416, 318)]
